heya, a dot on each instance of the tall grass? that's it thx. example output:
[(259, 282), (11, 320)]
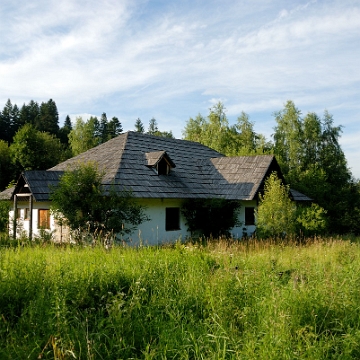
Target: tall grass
[(214, 300)]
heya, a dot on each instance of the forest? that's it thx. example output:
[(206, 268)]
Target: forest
[(306, 147)]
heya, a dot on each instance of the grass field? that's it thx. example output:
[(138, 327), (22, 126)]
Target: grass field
[(218, 300)]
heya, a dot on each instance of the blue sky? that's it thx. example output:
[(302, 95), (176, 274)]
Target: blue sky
[(174, 59)]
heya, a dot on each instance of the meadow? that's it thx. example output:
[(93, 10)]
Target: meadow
[(205, 300)]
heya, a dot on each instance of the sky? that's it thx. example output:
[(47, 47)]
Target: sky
[(172, 60)]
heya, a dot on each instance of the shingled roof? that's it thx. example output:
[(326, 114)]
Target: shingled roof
[(196, 170)]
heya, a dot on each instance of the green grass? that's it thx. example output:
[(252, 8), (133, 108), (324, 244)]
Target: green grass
[(218, 300)]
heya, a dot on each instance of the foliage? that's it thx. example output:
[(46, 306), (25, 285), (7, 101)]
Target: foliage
[(83, 203), (311, 220), (48, 118), (82, 136), (153, 127), (154, 130), (35, 150), (4, 215), (215, 132), (65, 131), (139, 126), (222, 300), (6, 167), (276, 213), (87, 134), (211, 217), (312, 161)]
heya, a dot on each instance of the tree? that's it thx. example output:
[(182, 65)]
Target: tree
[(29, 113), (153, 127), (35, 150), (114, 127), (215, 132), (80, 201), (15, 121), (312, 161), (48, 119), (139, 127), (311, 220), (276, 213), (194, 129), (65, 130), (288, 139), (83, 135), (6, 166), (211, 217), (6, 122), (103, 128), (4, 215)]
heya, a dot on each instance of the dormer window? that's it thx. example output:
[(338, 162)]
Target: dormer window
[(163, 168), (160, 162)]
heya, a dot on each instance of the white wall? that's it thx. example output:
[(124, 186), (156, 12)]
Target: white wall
[(23, 224), (238, 232), (151, 232)]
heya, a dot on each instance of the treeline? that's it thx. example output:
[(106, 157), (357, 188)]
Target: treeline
[(307, 149), (31, 138)]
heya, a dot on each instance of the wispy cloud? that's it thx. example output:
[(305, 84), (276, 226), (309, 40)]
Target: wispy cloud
[(172, 59)]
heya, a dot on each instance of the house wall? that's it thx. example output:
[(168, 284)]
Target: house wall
[(150, 232), (153, 232), (239, 231), (23, 223)]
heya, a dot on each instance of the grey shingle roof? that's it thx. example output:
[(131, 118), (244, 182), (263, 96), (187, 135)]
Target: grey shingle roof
[(124, 160), (298, 196), (40, 182), (198, 171), (7, 193)]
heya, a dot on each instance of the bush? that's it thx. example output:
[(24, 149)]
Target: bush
[(4, 215), (211, 217)]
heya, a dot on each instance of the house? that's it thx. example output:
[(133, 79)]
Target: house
[(162, 173)]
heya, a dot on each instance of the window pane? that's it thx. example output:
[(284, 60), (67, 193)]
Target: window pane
[(249, 216), (172, 219)]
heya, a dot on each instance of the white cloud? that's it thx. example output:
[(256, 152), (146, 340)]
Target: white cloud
[(175, 58)]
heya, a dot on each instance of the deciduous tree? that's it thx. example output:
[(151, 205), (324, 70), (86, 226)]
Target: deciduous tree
[(276, 213), (82, 202), (83, 135), (35, 150)]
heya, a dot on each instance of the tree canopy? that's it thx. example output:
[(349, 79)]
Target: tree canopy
[(278, 215), (82, 202), (35, 150), (312, 161), (215, 132)]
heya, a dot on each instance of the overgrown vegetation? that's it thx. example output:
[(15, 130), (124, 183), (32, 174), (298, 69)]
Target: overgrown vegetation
[(83, 203), (307, 149), (211, 217), (218, 300), (277, 215), (4, 215)]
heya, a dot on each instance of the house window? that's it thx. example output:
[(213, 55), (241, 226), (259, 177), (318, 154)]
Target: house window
[(27, 214), (249, 216), (172, 219), (163, 167), (44, 219)]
